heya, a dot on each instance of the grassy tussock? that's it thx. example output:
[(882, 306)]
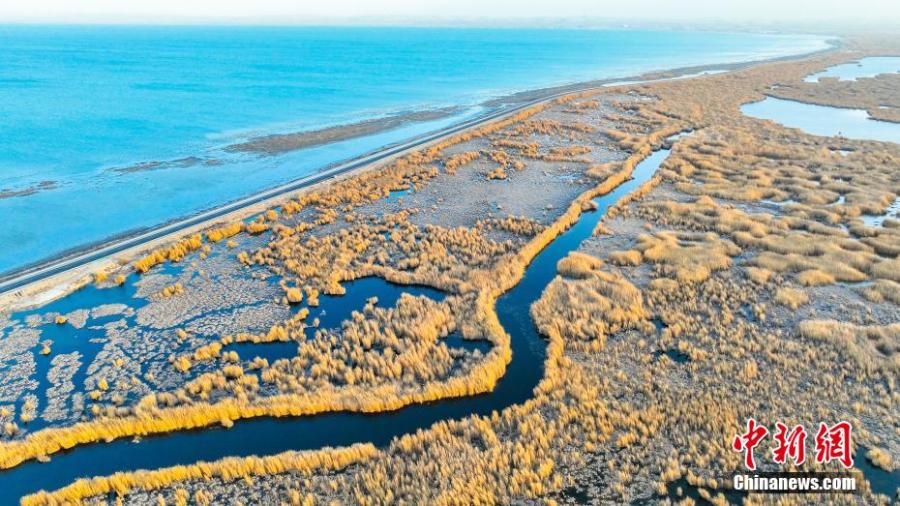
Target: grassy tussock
[(887, 269), (577, 107), (815, 277), (518, 225), (876, 346), (221, 233), (498, 173), (550, 127), (791, 297), (578, 265), (172, 253), (586, 308), (627, 257), (688, 257), (171, 290), (454, 162), (880, 458), (883, 290), (758, 275)]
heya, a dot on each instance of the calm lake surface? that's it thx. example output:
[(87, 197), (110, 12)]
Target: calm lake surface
[(163, 102), (865, 67), (823, 120)]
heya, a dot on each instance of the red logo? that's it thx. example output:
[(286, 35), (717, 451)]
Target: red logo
[(791, 445), (747, 441), (832, 443)]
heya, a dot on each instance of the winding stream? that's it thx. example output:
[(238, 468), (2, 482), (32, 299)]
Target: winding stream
[(267, 435)]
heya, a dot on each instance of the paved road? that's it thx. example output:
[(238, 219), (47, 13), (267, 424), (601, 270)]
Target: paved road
[(20, 278)]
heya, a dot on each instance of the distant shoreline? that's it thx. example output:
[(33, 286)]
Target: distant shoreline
[(19, 286), (276, 144), (279, 143)]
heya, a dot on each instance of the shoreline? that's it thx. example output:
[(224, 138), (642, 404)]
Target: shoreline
[(281, 143), (54, 278)]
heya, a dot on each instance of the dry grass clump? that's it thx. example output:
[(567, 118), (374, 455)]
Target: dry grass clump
[(627, 257), (578, 265), (257, 227), (883, 290), (171, 290), (791, 297), (519, 225), (293, 294), (586, 308), (221, 233), (454, 162), (581, 106), (172, 253), (871, 347), (688, 257), (887, 269), (526, 149), (400, 346), (758, 275), (498, 173), (814, 277), (884, 241), (550, 127), (566, 154), (880, 458), (707, 215)]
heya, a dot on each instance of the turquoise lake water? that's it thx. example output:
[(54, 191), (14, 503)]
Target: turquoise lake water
[(865, 67), (823, 120), (79, 102), (833, 121)]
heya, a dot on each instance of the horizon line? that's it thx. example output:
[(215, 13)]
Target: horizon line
[(705, 24)]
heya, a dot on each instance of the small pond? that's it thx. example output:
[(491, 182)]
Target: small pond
[(823, 120), (866, 67)]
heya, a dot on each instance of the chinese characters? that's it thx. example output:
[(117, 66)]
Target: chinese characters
[(832, 443)]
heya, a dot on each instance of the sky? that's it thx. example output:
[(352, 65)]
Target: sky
[(580, 12)]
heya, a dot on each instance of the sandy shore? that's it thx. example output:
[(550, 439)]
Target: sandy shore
[(57, 285)]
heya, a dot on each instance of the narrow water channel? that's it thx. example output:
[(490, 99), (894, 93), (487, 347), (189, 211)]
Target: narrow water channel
[(266, 435)]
